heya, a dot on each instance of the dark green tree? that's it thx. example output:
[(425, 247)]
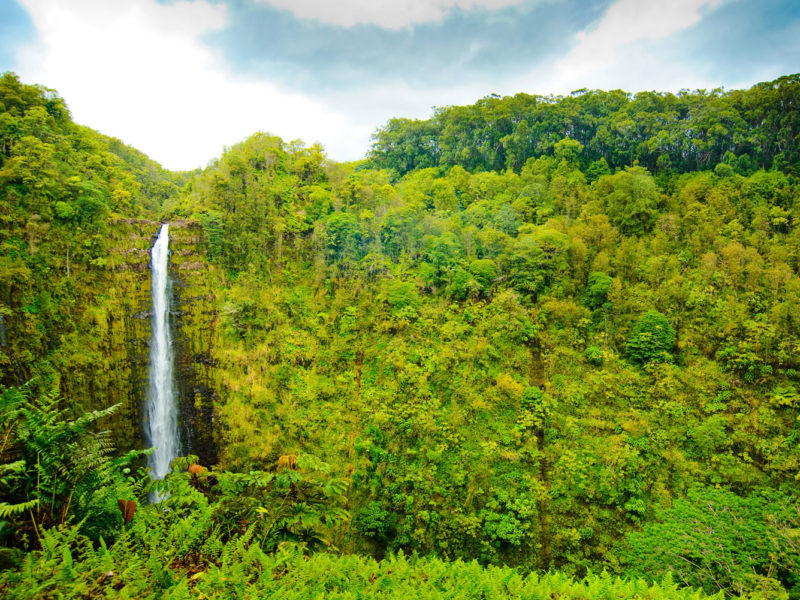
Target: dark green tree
[(652, 339)]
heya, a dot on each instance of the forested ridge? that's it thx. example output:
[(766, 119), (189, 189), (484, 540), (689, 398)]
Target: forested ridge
[(556, 336), (664, 132)]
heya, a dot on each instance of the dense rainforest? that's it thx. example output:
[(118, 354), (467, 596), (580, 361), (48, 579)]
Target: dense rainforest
[(536, 347)]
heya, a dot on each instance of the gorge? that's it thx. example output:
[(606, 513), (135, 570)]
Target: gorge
[(576, 356)]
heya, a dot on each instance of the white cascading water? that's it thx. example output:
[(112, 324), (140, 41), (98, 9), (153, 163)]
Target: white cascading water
[(162, 423)]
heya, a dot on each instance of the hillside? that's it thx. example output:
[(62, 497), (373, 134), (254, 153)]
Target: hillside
[(545, 333)]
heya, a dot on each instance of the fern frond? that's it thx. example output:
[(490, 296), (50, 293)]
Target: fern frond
[(9, 510), (13, 467)]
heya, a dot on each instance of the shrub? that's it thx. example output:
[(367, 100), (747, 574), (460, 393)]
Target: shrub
[(375, 522), (593, 356)]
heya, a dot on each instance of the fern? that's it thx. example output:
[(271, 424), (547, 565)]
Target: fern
[(62, 468), (11, 510)]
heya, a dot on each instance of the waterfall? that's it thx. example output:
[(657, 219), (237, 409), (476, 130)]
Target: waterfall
[(162, 419)]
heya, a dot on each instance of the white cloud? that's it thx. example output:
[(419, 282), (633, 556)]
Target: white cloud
[(615, 53), (389, 14), (138, 71)]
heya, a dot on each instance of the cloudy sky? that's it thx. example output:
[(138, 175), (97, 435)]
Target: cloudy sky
[(180, 80)]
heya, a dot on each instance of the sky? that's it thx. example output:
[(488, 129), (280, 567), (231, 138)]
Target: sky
[(181, 80)]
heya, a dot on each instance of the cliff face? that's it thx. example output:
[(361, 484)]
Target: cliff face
[(113, 334), (194, 334), (106, 361)]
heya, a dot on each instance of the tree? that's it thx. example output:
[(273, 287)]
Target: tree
[(344, 235), (652, 339), (597, 289), (484, 270), (630, 197)]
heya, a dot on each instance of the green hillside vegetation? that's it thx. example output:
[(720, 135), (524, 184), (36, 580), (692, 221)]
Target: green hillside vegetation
[(530, 335), (62, 186)]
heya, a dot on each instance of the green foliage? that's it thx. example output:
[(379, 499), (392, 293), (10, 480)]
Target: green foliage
[(447, 333), (62, 468), (62, 187), (593, 356), (536, 260), (597, 169), (64, 475), (375, 522), (453, 340), (597, 289), (212, 228), (630, 197), (606, 130), (343, 234), (484, 270), (68, 565), (401, 294), (714, 539), (652, 339), (535, 407)]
